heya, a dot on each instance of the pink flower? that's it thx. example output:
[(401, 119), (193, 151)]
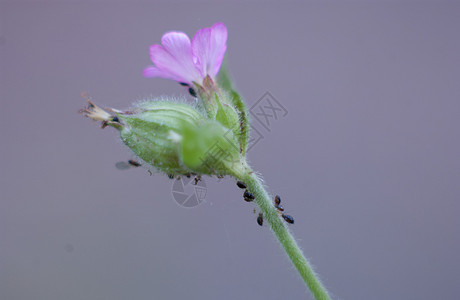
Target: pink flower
[(186, 62)]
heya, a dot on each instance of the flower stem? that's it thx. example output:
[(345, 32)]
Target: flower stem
[(279, 228)]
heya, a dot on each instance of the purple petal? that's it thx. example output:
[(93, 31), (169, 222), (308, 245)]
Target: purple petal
[(218, 47), (166, 65), (200, 48), (152, 71), (180, 60), (175, 57), (209, 46)]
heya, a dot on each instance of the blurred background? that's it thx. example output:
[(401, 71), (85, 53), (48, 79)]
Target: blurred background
[(366, 158)]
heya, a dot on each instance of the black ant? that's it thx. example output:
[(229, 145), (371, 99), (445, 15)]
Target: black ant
[(192, 92), (288, 218), (278, 205), (248, 197), (123, 165), (134, 163), (241, 184), (260, 219)]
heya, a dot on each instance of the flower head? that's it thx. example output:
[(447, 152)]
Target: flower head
[(186, 61)]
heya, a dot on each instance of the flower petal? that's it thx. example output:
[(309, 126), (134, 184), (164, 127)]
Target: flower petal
[(200, 48), (179, 59), (175, 57), (152, 71), (165, 63), (218, 47), (209, 46)]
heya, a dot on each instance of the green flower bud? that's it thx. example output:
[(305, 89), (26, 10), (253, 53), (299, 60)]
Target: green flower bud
[(211, 149), (176, 138), (153, 132)]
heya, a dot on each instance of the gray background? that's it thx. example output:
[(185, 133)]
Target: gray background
[(366, 160)]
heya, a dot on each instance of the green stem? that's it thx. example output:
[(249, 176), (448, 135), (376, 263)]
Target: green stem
[(281, 231)]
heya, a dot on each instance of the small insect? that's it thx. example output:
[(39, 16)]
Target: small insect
[(260, 219), (248, 197), (288, 218), (171, 176), (183, 83), (197, 179), (125, 165), (134, 163), (241, 184), (115, 119), (278, 205), (192, 92)]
